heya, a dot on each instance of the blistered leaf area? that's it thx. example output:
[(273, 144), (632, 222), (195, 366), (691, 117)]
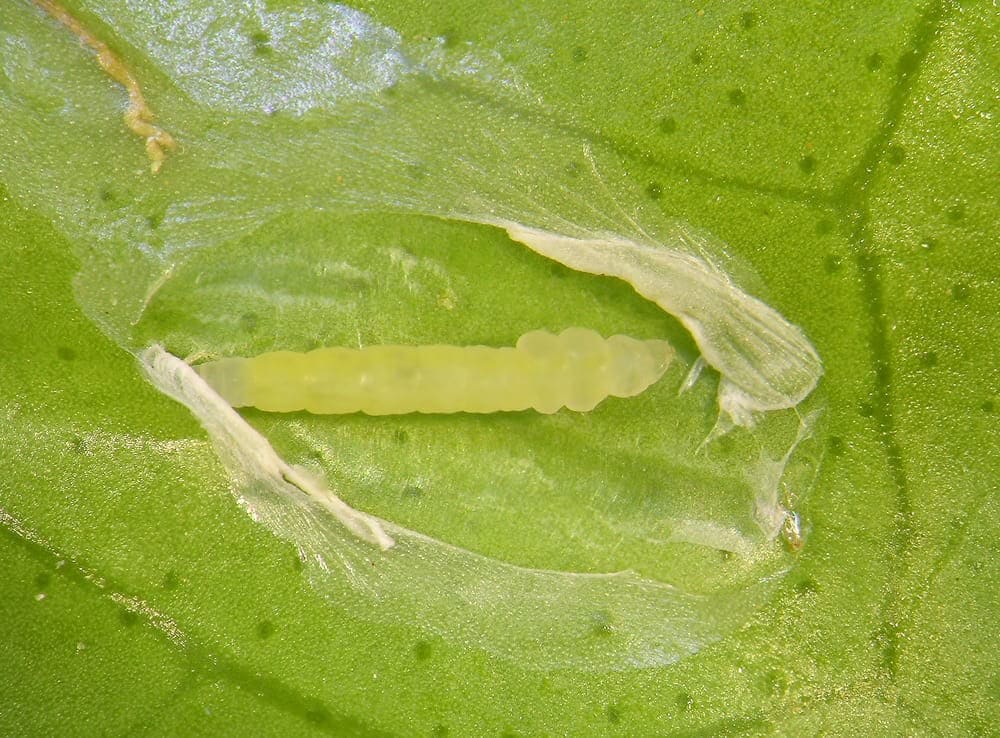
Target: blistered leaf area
[(335, 184)]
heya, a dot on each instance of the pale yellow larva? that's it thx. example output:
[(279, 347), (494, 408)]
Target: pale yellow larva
[(576, 369)]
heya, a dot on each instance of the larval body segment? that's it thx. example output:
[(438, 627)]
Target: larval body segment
[(576, 369)]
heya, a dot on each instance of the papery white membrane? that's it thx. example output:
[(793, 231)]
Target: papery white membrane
[(541, 618)]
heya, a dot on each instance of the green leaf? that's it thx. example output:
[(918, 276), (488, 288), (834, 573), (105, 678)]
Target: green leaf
[(844, 156)]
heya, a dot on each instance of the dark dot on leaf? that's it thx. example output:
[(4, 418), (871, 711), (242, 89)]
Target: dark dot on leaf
[(874, 62), (614, 713), (725, 444), (668, 125), (836, 445), (775, 683), (956, 213), (318, 715), (987, 406), (265, 629), (400, 436), (249, 322), (824, 226), (600, 624), (572, 169), (684, 701), (807, 164), (908, 63), (42, 580), (737, 97), (960, 292), (806, 586), (413, 491), (128, 618), (832, 264), (106, 194), (297, 562), (261, 41), (153, 221), (866, 410), (449, 37), (171, 580), (888, 644), (440, 731), (579, 54), (748, 20), (928, 359), (896, 154), (557, 271), (928, 244), (697, 56), (654, 191), (422, 650), (66, 353)]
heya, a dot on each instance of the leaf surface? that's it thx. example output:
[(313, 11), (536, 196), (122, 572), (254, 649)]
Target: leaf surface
[(844, 156)]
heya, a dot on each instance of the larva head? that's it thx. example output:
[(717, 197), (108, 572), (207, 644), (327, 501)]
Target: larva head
[(635, 365)]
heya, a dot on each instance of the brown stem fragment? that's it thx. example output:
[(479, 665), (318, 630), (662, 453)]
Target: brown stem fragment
[(138, 116)]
